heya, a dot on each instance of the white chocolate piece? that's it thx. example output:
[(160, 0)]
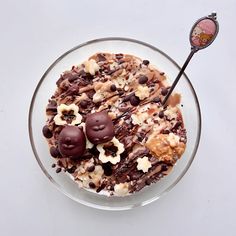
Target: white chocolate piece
[(121, 189), (91, 66)]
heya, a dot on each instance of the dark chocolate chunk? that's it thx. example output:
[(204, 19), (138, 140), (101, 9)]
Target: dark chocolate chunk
[(84, 104), (71, 142), (156, 99), (162, 73), (92, 185), (53, 165), (47, 132), (101, 187), (164, 91), (113, 88), (54, 151), (145, 62), (107, 169), (134, 101), (71, 170), (91, 168), (99, 127), (127, 98), (58, 170), (143, 79), (161, 114)]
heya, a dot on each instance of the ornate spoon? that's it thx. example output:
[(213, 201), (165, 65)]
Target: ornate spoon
[(202, 34)]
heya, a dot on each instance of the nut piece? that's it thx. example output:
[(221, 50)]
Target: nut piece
[(142, 92), (63, 107), (104, 158), (139, 118), (91, 66), (121, 189), (160, 146), (102, 91), (143, 164)]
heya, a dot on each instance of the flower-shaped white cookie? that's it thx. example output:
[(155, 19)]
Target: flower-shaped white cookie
[(143, 164), (67, 108), (104, 158)]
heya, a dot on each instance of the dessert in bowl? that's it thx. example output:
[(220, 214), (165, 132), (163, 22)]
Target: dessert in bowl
[(110, 142)]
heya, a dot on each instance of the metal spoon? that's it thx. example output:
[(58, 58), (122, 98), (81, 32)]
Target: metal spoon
[(202, 34)]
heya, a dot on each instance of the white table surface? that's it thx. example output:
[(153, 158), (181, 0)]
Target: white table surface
[(35, 33)]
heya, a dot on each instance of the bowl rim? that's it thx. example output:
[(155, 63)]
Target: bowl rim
[(131, 206)]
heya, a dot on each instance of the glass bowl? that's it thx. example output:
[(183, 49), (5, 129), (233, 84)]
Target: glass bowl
[(47, 86)]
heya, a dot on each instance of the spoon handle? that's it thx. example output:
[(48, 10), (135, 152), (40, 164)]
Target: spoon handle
[(179, 75)]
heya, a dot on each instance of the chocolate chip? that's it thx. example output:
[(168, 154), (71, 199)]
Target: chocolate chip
[(47, 132), (148, 181), (84, 104), (54, 151), (71, 170), (58, 170), (92, 185), (164, 167), (162, 73), (53, 165), (161, 114), (164, 91), (101, 187), (142, 79), (145, 62), (134, 101), (113, 88), (91, 168), (156, 99)]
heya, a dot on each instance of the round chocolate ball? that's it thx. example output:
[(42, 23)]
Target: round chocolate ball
[(71, 142), (47, 133), (99, 127)]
